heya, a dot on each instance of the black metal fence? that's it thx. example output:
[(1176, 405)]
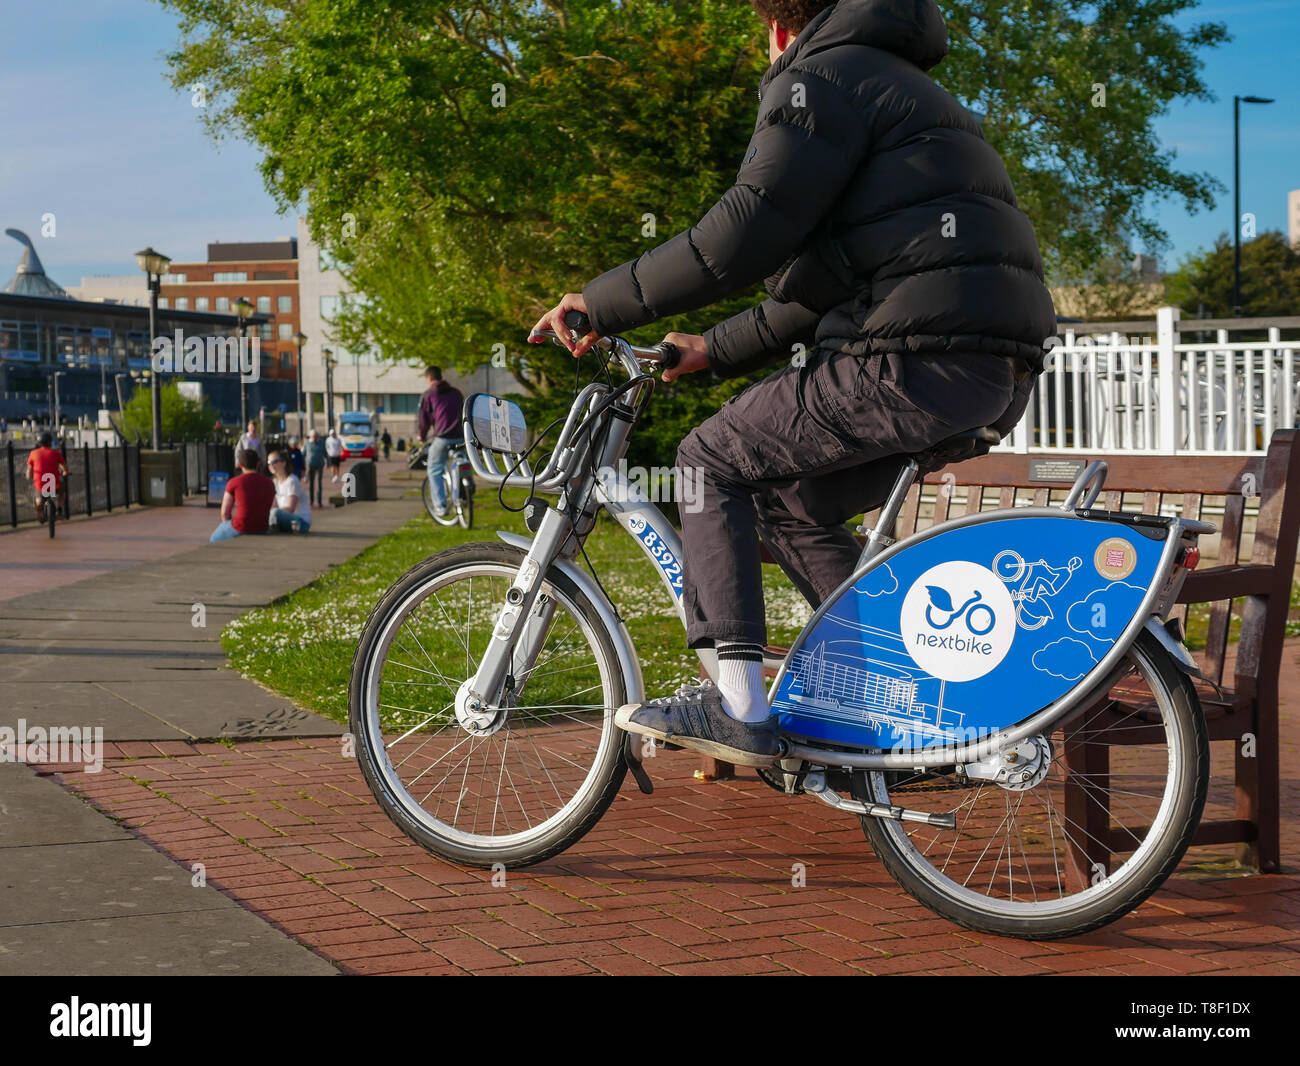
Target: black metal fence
[(102, 479)]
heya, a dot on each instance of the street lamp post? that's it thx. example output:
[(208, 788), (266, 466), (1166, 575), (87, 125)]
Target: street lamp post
[(154, 264), (356, 399), (1237, 101), (244, 309), (299, 338), (327, 356), (58, 413)]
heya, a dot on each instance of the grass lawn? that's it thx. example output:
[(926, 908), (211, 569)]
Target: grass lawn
[(302, 644)]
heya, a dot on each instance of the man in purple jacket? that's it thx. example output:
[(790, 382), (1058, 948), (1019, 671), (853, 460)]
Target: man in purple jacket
[(440, 414)]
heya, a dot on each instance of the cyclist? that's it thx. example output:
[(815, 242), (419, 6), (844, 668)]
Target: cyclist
[(440, 409), (47, 469), (895, 253)]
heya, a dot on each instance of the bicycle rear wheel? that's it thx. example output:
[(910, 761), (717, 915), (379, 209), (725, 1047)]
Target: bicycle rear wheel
[(1102, 828), (426, 494), (553, 764)]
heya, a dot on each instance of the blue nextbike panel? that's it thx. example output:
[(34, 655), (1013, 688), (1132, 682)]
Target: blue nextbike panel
[(973, 629)]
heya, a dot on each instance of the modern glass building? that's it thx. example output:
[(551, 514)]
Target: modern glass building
[(100, 351)]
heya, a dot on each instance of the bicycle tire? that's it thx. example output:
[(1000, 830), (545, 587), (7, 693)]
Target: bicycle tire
[(1180, 810), (592, 796), (51, 514), (426, 494)]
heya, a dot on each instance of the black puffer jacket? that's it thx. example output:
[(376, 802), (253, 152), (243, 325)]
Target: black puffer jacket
[(868, 199)]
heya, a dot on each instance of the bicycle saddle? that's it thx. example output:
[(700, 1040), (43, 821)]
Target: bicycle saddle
[(965, 445)]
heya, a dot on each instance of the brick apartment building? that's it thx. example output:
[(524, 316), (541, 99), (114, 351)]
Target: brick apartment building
[(266, 273)]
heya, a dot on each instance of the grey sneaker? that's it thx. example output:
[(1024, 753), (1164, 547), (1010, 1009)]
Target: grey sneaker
[(696, 719)]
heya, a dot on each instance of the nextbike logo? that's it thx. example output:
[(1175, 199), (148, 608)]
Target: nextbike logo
[(958, 621)]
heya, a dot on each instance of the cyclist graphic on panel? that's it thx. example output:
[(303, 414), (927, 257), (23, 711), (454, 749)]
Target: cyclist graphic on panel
[(47, 469), (1038, 581), (895, 253)]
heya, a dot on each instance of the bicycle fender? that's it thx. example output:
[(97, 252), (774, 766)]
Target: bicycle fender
[(1176, 648), (1061, 598)]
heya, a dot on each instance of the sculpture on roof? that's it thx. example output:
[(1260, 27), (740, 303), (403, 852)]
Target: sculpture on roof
[(30, 279)]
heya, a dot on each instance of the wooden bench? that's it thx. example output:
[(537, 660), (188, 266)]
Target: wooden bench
[(1256, 592)]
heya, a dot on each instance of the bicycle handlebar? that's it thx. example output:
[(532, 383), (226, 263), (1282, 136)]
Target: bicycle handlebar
[(662, 356)]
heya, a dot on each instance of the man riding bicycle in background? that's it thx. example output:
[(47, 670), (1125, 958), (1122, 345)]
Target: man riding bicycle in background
[(440, 410), (47, 469), (894, 251)]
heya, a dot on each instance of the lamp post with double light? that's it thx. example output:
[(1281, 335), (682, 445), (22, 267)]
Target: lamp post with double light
[(244, 309), (155, 265)]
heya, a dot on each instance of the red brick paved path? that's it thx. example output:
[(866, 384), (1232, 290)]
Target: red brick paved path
[(694, 879)]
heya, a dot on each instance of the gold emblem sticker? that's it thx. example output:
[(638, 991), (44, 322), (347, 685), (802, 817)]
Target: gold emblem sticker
[(1115, 558)]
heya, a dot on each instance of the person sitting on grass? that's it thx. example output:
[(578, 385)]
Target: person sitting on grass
[(246, 505), (292, 512)]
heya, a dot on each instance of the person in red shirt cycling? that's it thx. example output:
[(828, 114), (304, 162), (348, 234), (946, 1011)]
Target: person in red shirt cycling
[(246, 506), (47, 469)]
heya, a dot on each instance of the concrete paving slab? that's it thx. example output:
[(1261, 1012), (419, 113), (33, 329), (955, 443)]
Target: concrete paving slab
[(222, 706), (225, 942), (35, 810), (101, 879), (81, 703)]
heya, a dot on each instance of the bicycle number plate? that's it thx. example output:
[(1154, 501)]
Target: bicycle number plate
[(966, 632)]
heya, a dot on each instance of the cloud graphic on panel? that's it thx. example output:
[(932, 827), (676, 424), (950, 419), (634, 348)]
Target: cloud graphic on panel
[(1066, 658), (878, 582), (1104, 612)]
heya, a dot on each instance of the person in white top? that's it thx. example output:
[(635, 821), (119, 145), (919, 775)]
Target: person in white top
[(292, 511), (333, 453), (248, 440)]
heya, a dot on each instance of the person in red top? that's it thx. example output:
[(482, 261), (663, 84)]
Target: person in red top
[(47, 468), (246, 506)]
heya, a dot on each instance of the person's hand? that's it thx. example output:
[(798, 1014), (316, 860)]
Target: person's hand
[(554, 320), (695, 355)]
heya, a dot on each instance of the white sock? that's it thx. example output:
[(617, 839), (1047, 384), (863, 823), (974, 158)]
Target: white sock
[(740, 680)]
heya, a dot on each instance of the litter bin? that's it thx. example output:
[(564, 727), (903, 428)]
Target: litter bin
[(216, 487), (160, 478), (367, 484)]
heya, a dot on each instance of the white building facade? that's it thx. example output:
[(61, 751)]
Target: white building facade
[(363, 381)]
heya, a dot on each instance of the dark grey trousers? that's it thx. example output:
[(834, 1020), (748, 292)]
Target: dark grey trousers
[(796, 455)]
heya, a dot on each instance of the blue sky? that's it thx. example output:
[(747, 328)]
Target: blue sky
[(93, 133)]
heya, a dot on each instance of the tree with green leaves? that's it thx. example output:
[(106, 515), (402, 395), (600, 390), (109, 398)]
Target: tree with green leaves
[(1270, 279), (465, 163), (182, 417)]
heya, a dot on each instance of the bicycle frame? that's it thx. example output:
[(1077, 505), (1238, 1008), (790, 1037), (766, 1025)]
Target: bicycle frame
[(564, 527)]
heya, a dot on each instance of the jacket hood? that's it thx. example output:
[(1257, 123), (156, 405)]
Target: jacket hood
[(911, 29)]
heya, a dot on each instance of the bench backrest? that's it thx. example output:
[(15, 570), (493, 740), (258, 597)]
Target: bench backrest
[(1255, 589)]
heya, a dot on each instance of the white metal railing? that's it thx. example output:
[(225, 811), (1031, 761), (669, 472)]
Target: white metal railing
[(1143, 394)]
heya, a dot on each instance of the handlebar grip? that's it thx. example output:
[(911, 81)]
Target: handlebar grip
[(578, 322), (672, 355)]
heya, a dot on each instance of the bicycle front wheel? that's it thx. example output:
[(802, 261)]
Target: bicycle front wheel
[(553, 763), (1099, 830)]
